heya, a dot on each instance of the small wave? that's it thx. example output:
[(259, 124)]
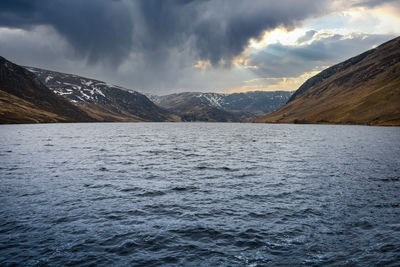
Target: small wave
[(251, 244), (192, 155), (126, 162), (365, 225), (197, 233), (255, 197), (125, 249), (99, 185), (157, 152), (387, 179), (387, 205), (13, 168), (136, 212), (33, 194), (183, 188), (224, 168), (130, 189), (104, 198), (114, 217), (67, 137), (201, 167), (389, 248), (243, 175), (63, 220), (259, 215), (179, 188), (151, 194)]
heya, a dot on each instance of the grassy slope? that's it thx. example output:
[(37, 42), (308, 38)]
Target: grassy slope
[(16, 110), (24, 99), (367, 92)]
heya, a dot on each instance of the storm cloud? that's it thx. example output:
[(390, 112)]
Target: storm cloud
[(153, 45), (96, 29), (214, 30)]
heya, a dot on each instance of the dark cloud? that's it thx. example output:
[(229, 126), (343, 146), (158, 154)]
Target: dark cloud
[(214, 30), (97, 29), (152, 45), (217, 30)]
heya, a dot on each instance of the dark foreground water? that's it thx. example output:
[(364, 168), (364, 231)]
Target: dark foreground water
[(199, 195)]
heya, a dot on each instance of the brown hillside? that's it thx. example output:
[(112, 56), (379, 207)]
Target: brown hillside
[(362, 90), (102, 101), (190, 107), (24, 99)]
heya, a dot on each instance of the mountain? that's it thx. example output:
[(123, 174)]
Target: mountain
[(102, 101), (31, 95), (362, 90), (221, 107), (192, 108), (24, 99), (258, 101)]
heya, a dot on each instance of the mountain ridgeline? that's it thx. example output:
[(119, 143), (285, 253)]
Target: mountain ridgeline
[(236, 107), (102, 101), (106, 102), (33, 95), (362, 90)]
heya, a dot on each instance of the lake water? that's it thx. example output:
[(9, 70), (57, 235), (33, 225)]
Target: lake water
[(199, 194)]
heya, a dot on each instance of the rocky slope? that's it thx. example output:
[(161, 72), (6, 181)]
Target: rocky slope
[(102, 101), (362, 90), (24, 99), (221, 107)]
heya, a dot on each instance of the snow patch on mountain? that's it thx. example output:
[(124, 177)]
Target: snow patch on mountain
[(48, 78), (212, 99), (75, 88)]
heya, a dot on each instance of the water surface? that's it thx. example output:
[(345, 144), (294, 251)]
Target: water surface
[(199, 194)]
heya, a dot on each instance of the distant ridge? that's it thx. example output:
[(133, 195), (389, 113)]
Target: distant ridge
[(362, 90), (216, 107)]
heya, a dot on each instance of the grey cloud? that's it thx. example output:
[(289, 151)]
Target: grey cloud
[(278, 60), (217, 30), (374, 3), (152, 45), (214, 30), (307, 36), (97, 29)]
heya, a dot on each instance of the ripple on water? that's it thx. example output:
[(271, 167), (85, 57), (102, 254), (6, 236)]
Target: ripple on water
[(167, 194)]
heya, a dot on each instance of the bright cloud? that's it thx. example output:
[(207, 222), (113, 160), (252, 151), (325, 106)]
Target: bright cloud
[(275, 84)]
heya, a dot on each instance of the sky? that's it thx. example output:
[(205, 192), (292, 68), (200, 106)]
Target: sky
[(172, 46)]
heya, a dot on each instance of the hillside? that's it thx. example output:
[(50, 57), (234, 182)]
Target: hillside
[(24, 99), (221, 107), (104, 102), (362, 90)]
